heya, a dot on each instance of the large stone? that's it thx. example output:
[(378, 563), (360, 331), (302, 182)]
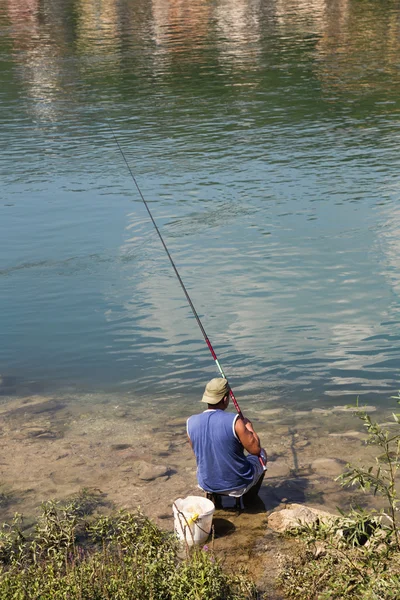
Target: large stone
[(329, 467), (295, 514)]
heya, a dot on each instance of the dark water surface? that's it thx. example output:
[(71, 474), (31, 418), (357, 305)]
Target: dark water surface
[(264, 135)]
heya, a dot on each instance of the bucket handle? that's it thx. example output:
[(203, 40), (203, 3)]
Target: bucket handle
[(181, 514)]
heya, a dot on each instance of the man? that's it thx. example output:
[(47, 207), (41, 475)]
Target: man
[(218, 440)]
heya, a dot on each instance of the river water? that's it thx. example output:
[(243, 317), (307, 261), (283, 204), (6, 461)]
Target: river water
[(264, 135)]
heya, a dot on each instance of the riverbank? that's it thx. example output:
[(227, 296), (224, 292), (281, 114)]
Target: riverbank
[(52, 447)]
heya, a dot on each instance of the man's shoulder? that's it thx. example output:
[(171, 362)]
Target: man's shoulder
[(195, 417), (215, 414)]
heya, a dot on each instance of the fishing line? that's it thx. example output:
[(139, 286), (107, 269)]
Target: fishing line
[(203, 331)]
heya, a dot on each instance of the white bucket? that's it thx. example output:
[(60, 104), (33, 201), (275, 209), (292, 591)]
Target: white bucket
[(193, 519)]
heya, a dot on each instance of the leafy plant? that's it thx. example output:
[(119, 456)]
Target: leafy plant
[(380, 478), (123, 556), (12, 541), (356, 555)]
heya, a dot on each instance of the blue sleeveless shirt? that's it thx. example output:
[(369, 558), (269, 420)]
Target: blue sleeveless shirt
[(221, 462)]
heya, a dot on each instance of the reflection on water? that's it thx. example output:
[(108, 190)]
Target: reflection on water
[(264, 137)]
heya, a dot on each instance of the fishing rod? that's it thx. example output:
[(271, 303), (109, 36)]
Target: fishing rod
[(203, 331)]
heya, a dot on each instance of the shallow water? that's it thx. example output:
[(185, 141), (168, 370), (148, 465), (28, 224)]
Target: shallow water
[(54, 447), (264, 137)]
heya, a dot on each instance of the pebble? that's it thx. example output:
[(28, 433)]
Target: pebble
[(60, 456), (120, 446), (302, 444)]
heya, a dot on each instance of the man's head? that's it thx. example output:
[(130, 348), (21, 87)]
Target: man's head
[(216, 394)]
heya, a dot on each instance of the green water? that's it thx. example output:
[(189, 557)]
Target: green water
[(264, 136)]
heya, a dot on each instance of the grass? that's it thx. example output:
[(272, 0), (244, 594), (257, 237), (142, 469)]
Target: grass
[(73, 555)]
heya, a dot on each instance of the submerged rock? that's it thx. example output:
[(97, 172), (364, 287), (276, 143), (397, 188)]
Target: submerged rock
[(278, 468), (367, 409), (37, 431), (178, 422), (350, 434), (328, 466), (121, 413), (295, 514), (37, 408), (150, 472), (302, 444)]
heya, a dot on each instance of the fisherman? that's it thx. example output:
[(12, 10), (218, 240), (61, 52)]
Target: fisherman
[(218, 440)]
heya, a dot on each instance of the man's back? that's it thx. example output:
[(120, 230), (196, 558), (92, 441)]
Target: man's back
[(221, 463)]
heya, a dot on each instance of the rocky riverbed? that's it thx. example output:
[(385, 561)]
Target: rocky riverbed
[(51, 447)]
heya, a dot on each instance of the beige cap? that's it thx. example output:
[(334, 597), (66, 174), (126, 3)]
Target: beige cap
[(215, 390)]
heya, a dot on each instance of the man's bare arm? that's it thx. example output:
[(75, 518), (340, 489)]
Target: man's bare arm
[(248, 437)]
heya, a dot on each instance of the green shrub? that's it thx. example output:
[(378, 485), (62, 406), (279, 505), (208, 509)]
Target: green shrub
[(356, 555), (124, 556)]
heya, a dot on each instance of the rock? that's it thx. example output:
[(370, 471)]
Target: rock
[(150, 472), (302, 444), (38, 432), (281, 431), (268, 412), (350, 434), (38, 408), (278, 468), (178, 422), (163, 447), (367, 409), (120, 413), (291, 516), (61, 456), (329, 467), (118, 447)]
